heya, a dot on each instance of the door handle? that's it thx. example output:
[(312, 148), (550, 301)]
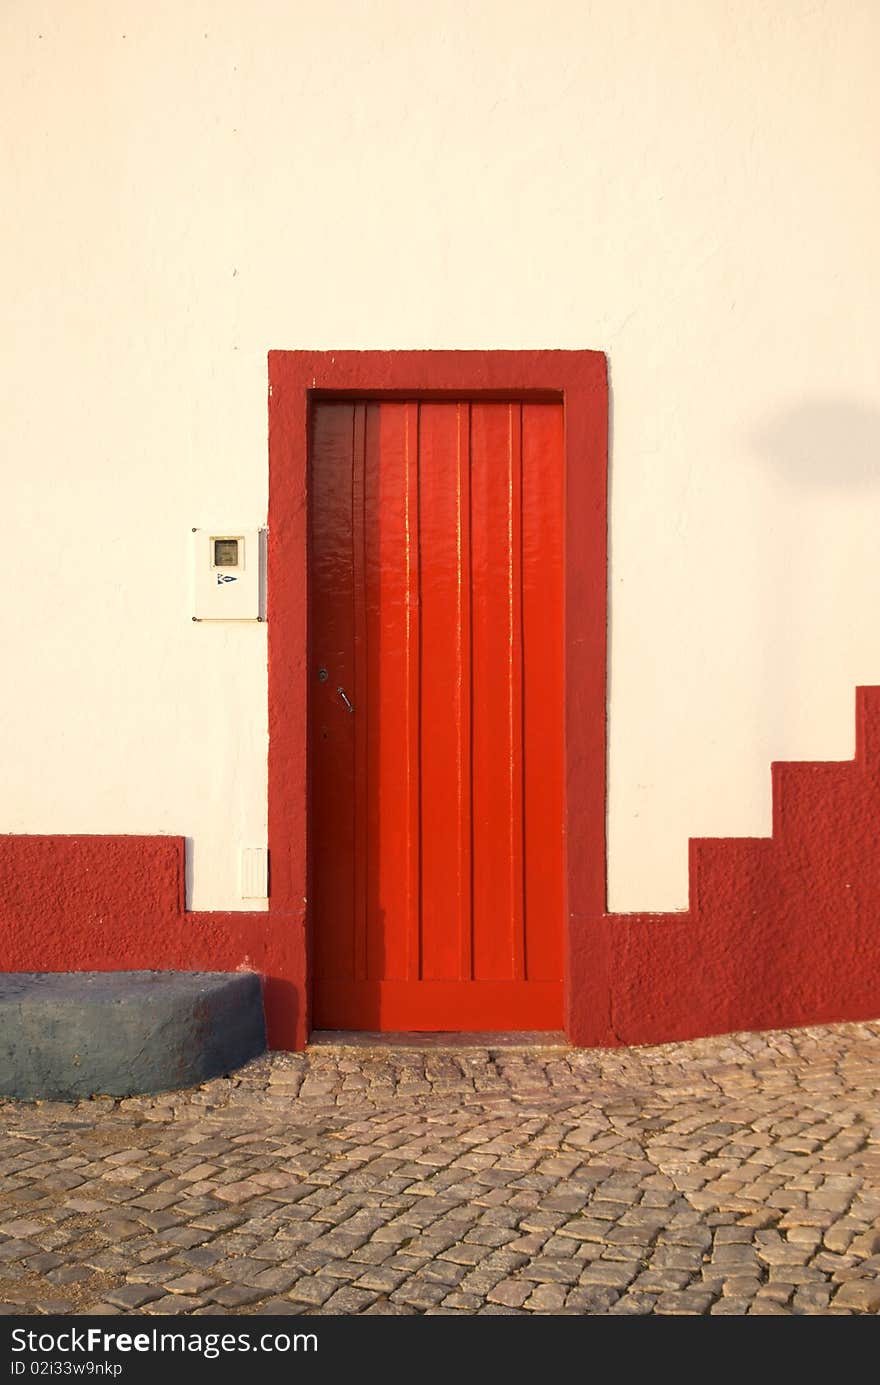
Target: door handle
[(341, 692)]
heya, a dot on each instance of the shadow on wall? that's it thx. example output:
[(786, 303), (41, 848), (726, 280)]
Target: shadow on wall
[(831, 444), (822, 451)]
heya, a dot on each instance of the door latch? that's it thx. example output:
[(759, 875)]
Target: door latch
[(341, 692)]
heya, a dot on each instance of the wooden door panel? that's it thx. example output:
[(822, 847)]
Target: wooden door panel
[(331, 803), (496, 692), (388, 792), (437, 805), (445, 692), (543, 727)]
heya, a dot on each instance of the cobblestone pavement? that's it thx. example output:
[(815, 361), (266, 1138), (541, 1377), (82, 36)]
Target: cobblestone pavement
[(732, 1175)]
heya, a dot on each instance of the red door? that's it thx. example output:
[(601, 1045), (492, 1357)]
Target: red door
[(436, 736)]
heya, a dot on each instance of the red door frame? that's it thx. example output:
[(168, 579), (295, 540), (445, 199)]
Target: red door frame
[(579, 378)]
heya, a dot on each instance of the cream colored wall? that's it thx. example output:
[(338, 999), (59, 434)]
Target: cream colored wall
[(689, 185)]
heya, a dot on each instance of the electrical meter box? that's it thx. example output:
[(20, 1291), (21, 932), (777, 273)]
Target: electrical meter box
[(227, 567)]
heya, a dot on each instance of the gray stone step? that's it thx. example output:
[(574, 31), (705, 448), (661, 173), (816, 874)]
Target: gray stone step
[(67, 1035)]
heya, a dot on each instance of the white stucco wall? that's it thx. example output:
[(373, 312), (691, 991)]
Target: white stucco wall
[(689, 185)]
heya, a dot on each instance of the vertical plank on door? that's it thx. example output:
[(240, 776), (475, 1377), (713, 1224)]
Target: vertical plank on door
[(360, 718), (413, 720), (544, 747), (332, 821), (443, 693), (494, 533), (464, 703), (515, 688), (391, 622)]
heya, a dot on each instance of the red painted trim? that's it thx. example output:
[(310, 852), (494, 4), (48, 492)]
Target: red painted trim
[(580, 377)]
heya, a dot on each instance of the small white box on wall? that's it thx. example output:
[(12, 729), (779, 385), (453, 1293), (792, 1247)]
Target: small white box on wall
[(254, 872), (227, 574)]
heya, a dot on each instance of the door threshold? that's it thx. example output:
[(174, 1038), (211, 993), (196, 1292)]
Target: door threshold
[(345, 1038)]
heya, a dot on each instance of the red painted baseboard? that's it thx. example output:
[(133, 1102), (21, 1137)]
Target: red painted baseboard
[(780, 931), (95, 903)]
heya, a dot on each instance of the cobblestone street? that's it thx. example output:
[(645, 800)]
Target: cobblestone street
[(731, 1175)]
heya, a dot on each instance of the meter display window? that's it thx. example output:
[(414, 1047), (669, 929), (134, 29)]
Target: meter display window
[(226, 552)]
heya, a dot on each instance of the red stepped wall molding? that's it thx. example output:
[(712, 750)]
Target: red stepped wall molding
[(780, 931)]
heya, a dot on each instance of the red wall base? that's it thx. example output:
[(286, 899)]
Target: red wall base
[(781, 931), (117, 903)]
